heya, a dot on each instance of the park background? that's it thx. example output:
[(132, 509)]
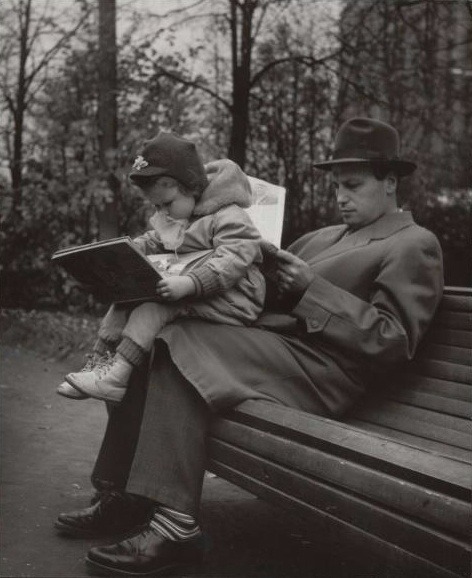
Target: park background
[(267, 83), (264, 82)]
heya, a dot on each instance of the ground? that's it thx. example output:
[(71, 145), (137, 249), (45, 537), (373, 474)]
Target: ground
[(48, 444)]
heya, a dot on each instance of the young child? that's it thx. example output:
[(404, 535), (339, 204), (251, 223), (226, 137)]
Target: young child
[(197, 208)]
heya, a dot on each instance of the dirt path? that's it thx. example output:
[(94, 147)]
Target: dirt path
[(48, 446)]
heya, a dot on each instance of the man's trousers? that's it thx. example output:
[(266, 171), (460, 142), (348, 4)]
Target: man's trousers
[(155, 440)]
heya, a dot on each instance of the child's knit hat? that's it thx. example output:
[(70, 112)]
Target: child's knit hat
[(170, 155)]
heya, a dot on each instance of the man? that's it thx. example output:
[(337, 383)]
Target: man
[(351, 301)]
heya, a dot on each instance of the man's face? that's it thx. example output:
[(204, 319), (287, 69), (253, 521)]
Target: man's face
[(166, 195), (361, 198)]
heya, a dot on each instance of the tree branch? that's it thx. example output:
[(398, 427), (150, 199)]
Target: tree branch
[(49, 54), (175, 10), (409, 3), (307, 60), (10, 103), (194, 84)]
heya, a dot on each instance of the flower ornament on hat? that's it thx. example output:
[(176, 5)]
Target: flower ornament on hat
[(367, 140), (139, 163)]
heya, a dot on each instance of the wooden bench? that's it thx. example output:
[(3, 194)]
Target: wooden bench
[(391, 482)]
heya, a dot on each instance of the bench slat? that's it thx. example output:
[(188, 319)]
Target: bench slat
[(442, 370), (453, 319), (442, 404), (435, 386), (431, 418), (448, 514), (456, 300), (421, 422), (456, 337), (432, 446), (441, 549), (460, 355), (326, 529), (435, 472)]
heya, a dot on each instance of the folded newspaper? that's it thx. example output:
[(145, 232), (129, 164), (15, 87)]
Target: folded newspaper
[(115, 270)]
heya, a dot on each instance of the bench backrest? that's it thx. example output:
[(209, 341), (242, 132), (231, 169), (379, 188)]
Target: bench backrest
[(392, 479), (428, 404)]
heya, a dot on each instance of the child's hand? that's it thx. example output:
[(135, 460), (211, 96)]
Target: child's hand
[(175, 288)]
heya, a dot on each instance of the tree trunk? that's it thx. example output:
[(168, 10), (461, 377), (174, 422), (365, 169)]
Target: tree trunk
[(20, 105), (107, 113), (239, 122), (241, 51)]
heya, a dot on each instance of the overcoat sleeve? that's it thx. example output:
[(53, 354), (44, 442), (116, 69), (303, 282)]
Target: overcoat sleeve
[(236, 246), (386, 328)]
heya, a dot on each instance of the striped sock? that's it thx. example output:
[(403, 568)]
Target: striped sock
[(173, 524)]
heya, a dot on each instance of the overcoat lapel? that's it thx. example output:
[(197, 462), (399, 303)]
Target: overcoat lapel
[(380, 229)]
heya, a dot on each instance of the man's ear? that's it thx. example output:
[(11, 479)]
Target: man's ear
[(391, 183)]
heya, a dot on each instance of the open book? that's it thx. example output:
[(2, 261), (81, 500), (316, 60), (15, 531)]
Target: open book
[(115, 270)]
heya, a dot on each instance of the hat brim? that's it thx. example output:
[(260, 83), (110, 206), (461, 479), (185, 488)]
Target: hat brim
[(402, 168), (147, 172)]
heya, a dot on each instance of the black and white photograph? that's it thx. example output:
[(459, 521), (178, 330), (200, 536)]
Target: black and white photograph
[(236, 288)]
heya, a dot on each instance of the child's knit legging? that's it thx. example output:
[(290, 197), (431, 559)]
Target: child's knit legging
[(131, 329)]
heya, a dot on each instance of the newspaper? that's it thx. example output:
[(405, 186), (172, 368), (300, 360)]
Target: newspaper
[(267, 209)]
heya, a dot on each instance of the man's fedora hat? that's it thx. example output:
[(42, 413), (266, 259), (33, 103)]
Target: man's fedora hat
[(367, 140)]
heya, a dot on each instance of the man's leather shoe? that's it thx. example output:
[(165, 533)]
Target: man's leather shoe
[(113, 514), (145, 554)]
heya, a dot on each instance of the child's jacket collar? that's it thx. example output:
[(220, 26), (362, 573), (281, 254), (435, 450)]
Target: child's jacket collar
[(228, 185)]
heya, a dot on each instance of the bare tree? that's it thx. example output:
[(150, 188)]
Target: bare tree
[(242, 22), (107, 114), (408, 62), (291, 114), (26, 58)]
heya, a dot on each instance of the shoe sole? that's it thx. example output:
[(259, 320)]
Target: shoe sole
[(78, 395), (75, 532), (101, 398), (102, 570)]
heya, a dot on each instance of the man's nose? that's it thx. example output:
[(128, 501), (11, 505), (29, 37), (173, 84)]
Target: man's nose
[(341, 196)]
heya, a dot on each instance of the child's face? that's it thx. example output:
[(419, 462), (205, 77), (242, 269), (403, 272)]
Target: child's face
[(166, 195)]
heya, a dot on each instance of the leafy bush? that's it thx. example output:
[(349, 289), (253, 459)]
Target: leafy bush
[(48, 216)]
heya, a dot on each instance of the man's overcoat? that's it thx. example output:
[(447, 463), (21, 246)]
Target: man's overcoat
[(373, 295)]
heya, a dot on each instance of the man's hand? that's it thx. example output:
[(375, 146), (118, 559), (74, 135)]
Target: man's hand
[(293, 274), (175, 288)]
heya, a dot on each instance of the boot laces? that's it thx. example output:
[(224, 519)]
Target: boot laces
[(91, 361), (104, 364), (96, 361)]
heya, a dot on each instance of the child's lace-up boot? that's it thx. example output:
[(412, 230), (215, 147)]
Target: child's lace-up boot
[(107, 382), (94, 361)]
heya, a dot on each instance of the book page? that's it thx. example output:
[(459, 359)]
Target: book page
[(95, 244), (267, 209)]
